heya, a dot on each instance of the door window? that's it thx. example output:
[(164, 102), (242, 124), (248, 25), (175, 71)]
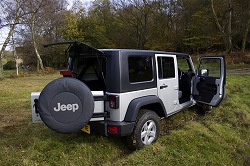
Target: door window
[(210, 68), (166, 67)]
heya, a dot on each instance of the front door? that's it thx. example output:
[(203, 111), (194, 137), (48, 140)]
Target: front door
[(210, 80), (167, 81)]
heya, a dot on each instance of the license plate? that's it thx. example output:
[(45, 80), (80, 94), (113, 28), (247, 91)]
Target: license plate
[(86, 129)]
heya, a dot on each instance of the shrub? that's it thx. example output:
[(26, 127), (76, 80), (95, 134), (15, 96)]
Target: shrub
[(47, 70), (10, 65), (50, 70)]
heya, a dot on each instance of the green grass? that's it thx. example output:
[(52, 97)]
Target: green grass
[(7, 73), (221, 137)]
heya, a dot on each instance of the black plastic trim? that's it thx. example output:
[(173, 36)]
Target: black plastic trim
[(124, 128), (136, 104), (99, 98), (100, 115)]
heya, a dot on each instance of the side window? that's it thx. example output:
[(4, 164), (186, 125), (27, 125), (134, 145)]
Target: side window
[(140, 68), (166, 67), (210, 68)]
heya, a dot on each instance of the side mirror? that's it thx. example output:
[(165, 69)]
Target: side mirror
[(203, 72)]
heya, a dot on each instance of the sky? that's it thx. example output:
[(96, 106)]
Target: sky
[(3, 35), (4, 31)]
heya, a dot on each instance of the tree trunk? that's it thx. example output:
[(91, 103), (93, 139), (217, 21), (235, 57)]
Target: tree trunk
[(7, 40), (16, 59), (226, 35), (1, 69), (244, 39), (230, 45), (15, 56), (39, 60), (4, 47)]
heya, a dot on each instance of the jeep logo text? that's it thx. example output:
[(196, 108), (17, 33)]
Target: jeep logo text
[(64, 107)]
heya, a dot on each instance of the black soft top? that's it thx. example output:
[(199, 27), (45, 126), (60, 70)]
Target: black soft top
[(77, 49), (142, 51)]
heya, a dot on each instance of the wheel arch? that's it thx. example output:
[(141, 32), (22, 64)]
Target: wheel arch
[(152, 103)]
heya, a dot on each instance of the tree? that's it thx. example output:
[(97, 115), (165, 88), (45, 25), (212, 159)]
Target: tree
[(14, 14), (162, 25), (226, 29), (135, 18), (100, 27), (34, 7), (244, 38), (40, 24), (70, 30), (199, 33), (17, 60)]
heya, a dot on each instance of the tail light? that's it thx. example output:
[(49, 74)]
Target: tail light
[(66, 73), (113, 129), (114, 101)]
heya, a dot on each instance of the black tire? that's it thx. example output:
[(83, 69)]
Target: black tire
[(66, 105), (143, 134)]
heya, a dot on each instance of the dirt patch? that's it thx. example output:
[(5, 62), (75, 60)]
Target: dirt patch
[(242, 71)]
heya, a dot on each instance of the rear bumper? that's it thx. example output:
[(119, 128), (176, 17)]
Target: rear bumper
[(102, 127)]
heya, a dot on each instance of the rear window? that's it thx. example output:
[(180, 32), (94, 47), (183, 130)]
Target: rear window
[(140, 68), (91, 70)]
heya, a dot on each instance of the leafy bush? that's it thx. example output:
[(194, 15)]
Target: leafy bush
[(10, 65)]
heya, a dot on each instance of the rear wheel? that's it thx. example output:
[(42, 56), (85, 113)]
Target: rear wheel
[(146, 130)]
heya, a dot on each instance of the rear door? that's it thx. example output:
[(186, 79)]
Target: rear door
[(167, 81), (88, 65), (210, 80), (91, 70)]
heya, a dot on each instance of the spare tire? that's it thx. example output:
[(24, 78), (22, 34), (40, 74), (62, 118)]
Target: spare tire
[(66, 105)]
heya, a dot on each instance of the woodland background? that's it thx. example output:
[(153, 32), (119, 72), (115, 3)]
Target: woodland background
[(191, 26)]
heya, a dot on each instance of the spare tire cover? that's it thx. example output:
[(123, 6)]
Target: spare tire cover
[(66, 105)]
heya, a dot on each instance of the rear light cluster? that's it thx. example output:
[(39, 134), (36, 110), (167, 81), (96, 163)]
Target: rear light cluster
[(113, 101), (66, 73), (113, 129)]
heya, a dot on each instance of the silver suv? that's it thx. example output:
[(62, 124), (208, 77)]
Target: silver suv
[(125, 92)]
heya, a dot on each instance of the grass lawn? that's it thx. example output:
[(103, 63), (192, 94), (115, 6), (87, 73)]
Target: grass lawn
[(221, 137)]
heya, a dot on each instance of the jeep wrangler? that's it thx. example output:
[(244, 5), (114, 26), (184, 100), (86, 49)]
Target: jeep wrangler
[(125, 92)]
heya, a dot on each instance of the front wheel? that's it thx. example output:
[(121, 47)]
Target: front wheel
[(146, 130)]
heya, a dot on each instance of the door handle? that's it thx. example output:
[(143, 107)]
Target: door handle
[(163, 86)]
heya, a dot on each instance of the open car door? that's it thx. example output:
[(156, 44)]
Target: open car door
[(210, 80)]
